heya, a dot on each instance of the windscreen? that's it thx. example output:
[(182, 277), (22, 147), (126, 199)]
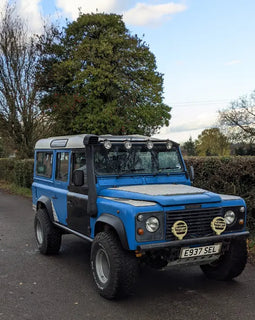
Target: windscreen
[(137, 160)]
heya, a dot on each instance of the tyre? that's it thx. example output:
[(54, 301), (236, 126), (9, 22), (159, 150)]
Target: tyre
[(114, 269), (47, 236), (229, 265)]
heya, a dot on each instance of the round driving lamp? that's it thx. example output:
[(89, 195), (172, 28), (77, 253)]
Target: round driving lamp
[(152, 224), (169, 145), (229, 217), (127, 145), (107, 144), (149, 144)]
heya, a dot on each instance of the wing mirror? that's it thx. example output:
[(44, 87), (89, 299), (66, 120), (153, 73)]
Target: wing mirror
[(78, 178), (191, 173)]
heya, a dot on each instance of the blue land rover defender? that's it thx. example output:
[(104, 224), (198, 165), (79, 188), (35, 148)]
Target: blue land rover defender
[(131, 197)]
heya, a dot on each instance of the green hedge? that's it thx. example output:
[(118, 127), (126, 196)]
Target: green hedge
[(228, 175), (15, 171)]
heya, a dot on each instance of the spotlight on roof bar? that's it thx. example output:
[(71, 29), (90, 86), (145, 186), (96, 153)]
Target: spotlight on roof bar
[(128, 144), (107, 144), (149, 144), (169, 145)]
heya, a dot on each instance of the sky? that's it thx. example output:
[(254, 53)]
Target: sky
[(204, 48)]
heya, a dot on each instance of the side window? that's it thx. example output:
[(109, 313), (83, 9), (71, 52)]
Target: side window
[(79, 163), (44, 164), (62, 166)]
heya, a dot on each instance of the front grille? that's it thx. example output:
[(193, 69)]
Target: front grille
[(198, 221)]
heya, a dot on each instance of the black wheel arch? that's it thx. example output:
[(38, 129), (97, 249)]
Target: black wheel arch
[(45, 202), (108, 220)]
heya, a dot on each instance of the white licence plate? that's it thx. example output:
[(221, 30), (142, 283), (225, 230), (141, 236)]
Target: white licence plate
[(200, 251)]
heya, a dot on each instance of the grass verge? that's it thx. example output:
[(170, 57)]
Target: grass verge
[(14, 189), (251, 249)]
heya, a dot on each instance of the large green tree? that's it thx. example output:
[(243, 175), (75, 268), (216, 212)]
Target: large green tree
[(211, 142), (98, 78), (189, 147)]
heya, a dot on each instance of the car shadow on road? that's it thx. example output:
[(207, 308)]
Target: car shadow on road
[(178, 280)]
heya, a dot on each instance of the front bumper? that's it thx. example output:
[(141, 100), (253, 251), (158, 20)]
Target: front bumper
[(188, 242)]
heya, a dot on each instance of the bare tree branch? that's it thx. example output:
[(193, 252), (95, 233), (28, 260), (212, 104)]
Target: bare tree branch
[(239, 119), (21, 120)]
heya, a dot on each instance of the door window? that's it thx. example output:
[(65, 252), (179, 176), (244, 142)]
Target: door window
[(62, 166)]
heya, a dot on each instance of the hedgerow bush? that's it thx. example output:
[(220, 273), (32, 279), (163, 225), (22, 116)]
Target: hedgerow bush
[(228, 175), (15, 171), (6, 169), (23, 172)]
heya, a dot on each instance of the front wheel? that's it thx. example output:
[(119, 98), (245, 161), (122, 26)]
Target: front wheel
[(48, 237), (230, 265), (114, 269)]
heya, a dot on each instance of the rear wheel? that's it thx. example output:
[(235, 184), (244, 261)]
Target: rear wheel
[(229, 265), (114, 269), (48, 237)]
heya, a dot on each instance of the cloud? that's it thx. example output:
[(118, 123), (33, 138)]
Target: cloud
[(71, 7), (232, 62), (2, 6), (189, 128), (29, 11), (145, 14), (202, 121)]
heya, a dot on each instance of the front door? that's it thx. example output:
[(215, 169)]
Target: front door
[(77, 197), (61, 181)]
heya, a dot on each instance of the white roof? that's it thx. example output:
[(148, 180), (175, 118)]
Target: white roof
[(76, 141), (71, 142)]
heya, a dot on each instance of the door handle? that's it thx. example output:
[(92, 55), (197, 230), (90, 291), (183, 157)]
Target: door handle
[(70, 203), (54, 197)]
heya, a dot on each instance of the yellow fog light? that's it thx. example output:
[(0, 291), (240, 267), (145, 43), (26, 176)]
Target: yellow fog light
[(180, 229), (218, 225)]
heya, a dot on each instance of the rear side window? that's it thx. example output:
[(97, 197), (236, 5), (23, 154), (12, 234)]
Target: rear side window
[(62, 166), (44, 164)]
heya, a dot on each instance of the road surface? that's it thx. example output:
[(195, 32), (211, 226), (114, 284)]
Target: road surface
[(33, 286)]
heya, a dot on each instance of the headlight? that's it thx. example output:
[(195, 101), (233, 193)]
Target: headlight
[(229, 217), (152, 224)]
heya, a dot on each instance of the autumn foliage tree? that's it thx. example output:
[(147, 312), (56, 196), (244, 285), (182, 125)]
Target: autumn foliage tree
[(211, 142), (96, 77)]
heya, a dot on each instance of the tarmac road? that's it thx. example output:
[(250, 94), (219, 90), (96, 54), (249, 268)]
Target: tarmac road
[(33, 286)]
